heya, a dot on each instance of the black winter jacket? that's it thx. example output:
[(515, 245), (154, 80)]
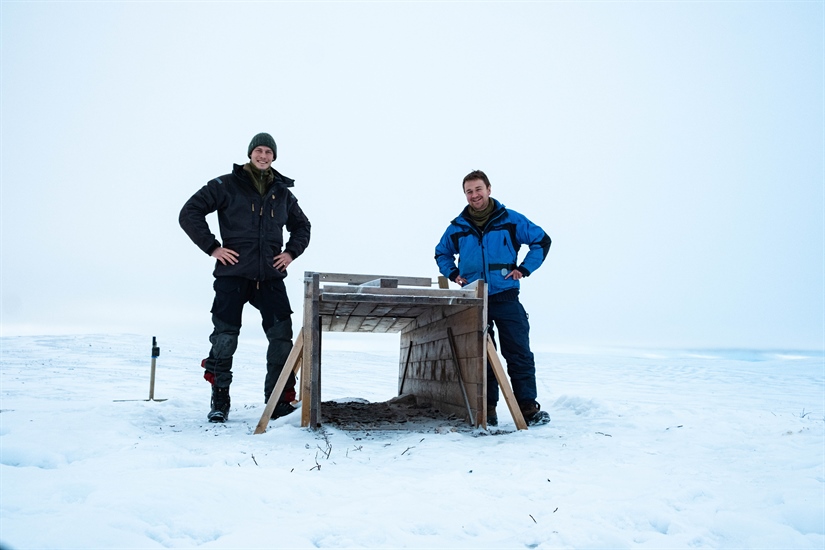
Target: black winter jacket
[(250, 225)]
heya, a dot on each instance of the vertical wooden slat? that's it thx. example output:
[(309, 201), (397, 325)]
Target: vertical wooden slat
[(404, 372)]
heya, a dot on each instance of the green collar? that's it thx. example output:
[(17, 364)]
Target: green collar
[(481, 217), (262, 180)]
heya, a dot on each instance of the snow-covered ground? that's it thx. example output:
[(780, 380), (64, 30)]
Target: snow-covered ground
[(657, 449)]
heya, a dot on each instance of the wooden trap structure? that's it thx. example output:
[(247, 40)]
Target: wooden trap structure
[(444, 345)]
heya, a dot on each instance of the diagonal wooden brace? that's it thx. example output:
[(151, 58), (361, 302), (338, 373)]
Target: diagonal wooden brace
[(292, 365), (504, 385)]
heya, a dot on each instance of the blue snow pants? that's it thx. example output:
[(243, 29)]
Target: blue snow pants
[(510, 318)]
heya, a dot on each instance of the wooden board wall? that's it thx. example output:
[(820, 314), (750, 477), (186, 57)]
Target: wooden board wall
[(430, 369)]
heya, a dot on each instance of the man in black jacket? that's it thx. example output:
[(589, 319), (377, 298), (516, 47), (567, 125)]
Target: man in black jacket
[(254, 204)]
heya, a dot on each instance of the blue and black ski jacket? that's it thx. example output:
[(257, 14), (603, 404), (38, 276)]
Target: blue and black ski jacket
[(492, 252)]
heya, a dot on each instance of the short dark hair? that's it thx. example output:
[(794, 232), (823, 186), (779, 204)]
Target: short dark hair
[(476, 175)]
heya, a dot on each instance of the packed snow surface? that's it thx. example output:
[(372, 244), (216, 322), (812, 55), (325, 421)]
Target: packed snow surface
[(653, 449)]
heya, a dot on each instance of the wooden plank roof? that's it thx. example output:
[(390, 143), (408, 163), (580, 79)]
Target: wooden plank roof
[(375, 303)]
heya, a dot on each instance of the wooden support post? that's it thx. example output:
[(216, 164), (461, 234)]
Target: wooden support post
[(292, 364), (504, 385), (311, 368), (443, 282), (481, 293)]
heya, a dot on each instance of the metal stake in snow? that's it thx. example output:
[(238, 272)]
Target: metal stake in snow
[(155, 355)]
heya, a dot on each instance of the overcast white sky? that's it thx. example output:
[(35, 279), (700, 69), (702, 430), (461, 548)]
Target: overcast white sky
[(672, 150)]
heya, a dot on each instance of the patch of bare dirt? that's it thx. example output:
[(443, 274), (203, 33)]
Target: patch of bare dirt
[(400, 413)]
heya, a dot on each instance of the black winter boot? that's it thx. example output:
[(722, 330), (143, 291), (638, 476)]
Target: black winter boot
[(283, 409), (220, 405), (492, 417), (533, 415)]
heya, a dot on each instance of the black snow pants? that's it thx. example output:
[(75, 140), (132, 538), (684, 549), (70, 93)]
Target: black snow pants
[(270, 298)]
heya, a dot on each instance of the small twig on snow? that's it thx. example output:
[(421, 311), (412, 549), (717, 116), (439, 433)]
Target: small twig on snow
[(328, 450)]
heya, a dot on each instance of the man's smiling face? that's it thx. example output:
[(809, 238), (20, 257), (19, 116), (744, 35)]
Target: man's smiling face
[(477, 193)]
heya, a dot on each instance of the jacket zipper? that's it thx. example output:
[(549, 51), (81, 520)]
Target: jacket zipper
[(480, 234), (484, 267), (261, 241)]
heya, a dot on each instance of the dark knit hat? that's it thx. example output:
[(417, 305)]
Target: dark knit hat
[(265, 140)]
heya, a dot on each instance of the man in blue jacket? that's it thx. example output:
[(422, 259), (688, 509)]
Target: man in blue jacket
[(487, 237), (254, 203)]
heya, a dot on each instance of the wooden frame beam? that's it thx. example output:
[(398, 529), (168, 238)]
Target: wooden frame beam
[(361, 279), (504, 385)]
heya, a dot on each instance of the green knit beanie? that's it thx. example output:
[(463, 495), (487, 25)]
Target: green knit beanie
[(265, 140)]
